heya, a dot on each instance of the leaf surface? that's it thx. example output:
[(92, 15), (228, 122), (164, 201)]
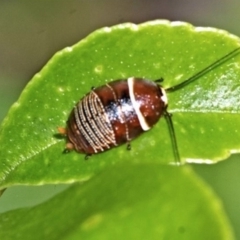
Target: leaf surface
[(205, 113), (141, 201)]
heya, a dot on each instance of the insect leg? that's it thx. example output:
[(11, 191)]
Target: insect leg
[(66, 150), (128, 146), (168, 117), (87, 156), (159, 80)]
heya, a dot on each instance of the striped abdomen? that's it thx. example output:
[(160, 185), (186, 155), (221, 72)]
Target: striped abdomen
[(114, 114)]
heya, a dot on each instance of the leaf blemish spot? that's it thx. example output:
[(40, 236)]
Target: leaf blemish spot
[(178, 76), (98, 69), (156, 65), (60, 89), (202, 130), (153, 143), (46, 106), (183, 130), (92, 222)]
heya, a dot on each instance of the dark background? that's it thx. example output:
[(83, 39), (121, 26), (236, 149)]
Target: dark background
[(32, 31)]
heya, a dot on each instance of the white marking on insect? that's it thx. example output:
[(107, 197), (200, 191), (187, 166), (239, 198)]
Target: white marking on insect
[(136, 106)]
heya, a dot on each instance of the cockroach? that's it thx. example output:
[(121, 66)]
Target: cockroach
[(121, 110)]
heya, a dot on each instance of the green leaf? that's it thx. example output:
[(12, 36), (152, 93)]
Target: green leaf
[(142, 201), (205, 113)]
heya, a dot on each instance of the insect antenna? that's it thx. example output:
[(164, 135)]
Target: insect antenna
[(205, 70), (168, 117)]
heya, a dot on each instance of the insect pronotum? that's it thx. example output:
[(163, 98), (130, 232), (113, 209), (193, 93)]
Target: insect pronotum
[(121, 110)]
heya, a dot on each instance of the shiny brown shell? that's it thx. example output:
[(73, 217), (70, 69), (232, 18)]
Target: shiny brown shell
[(114, 114)]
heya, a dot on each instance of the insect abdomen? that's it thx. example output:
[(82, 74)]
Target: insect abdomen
[(114, 114)]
